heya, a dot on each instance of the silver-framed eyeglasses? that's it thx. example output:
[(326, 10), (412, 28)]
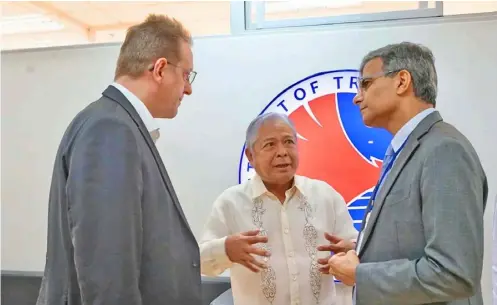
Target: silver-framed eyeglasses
[(189, 75), (366, 81)]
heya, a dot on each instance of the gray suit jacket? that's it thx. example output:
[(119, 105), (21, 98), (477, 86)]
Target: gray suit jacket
[(116, 232), (424, 240)]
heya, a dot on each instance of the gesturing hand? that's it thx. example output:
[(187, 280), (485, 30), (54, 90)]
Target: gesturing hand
[(336, 245), (240, 248)]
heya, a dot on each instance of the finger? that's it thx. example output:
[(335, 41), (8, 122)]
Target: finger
[(324, 270), (251, 232), (258, 251), (333, 272), (257, 263), (250, 266), (324, 261), (331, 248), (256, 239), (332, 238), (324, 248), (352, 257)]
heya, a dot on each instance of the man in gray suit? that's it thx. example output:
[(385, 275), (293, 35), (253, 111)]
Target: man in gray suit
[(422, 238), (117, 234)]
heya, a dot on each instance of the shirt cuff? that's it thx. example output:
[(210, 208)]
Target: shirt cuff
[(218, 250)]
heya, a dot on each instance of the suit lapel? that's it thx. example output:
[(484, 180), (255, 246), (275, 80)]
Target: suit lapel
[(399, 164), (402, 159), (115, 95)]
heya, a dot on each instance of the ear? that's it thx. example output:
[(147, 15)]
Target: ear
[(249, 156), (404, 81), (158, 71)]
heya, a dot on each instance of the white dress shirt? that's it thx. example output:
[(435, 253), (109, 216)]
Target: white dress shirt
[(142, 110), (294, 229)]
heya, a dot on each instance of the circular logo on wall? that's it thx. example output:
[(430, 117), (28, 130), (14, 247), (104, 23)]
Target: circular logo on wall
[(334, 144)]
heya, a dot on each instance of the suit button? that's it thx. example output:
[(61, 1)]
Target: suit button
[(195, 264)]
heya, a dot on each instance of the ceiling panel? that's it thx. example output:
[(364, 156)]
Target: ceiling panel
[(104, 21), (10, 9), (63, 22), (85, 12)]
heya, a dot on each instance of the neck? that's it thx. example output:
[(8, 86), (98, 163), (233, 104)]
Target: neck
[(139, 88), (279, 189), (404, 114)]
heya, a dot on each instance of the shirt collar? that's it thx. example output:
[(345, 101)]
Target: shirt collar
[(259, 189), (142, 110), (402, 135)]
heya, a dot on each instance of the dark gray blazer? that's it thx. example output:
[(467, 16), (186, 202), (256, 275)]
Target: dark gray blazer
[(424, 240), (116, 232)]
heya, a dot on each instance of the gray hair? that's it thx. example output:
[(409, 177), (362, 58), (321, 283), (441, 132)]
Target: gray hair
[(255, 125), (416, 59)]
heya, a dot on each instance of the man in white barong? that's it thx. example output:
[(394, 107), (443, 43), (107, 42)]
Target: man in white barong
[(267, 231)]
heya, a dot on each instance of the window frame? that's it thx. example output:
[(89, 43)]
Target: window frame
[(261, 24)]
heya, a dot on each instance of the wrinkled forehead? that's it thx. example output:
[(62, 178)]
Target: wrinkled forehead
[(372, 67), (274, 128)]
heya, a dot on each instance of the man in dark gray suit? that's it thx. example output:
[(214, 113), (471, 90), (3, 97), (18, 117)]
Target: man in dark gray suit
[(117, 234), (422, 238)]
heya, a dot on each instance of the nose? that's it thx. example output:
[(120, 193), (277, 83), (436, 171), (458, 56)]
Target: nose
[(188, 88), (282, 152), (358, 98)]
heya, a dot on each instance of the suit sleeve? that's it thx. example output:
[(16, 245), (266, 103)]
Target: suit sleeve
[(214, 260), (453, 188), (104, 191)]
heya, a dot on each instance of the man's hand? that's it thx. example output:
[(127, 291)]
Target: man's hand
[(343, 267), (240, 248), (336, 245)]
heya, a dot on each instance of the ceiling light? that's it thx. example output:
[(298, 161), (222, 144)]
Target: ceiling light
[(28, 24)]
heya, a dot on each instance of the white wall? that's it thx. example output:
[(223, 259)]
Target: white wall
[(43, 90)]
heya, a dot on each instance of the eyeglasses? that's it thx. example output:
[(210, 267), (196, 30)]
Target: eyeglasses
[(366, 81), (189, 75)]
